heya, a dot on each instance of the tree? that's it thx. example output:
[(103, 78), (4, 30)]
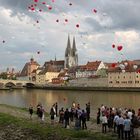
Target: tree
[(102, 72), (3, 75)]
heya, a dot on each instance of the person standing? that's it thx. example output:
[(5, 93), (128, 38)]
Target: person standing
[(88, 111), (98, 115), (127, 127), (38, 110), (104, 123), (83, 118), (52, 113), (56, 109), (66, 117), (115, 121), (138, 113), (61, 115), (31, 111), (42, 110), (120, 127)]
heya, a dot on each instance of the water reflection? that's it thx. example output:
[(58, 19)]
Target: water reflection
[(23, 98)]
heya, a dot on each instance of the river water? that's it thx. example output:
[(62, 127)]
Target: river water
[(64, 98)]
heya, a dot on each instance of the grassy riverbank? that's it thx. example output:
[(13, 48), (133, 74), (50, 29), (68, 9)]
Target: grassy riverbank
[(15, 124)]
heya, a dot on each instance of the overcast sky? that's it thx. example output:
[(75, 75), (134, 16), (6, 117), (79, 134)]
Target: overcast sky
[(21, 37)]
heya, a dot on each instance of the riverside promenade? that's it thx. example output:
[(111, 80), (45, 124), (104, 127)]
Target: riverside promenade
[(86, 88), (86, 84)]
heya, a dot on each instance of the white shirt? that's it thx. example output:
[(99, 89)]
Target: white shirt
[(116, 119), (129, 114), (120, 121), (104, 119)]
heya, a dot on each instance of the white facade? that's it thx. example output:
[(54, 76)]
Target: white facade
[(40, 79), (101, 66), (87, 73), (84, 74), (43, 79)]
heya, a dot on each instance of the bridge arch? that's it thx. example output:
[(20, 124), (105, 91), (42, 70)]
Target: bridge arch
[(1, 84), (30, 85), (10, 84), (19, 84)]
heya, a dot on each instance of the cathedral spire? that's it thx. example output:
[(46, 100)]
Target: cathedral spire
[(68, 49), (74, 45), (55, 57), (74, 50)]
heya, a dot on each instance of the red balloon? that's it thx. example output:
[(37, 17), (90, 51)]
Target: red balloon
[(40, 10), (113, 65), (36, 0), (138, 71), (37, 21), (66, 20), (70, 4), (44, 3), (50, 8), (113, 45), (77, 25), (35, 5), (38, 52), (119, 48), (32, 8), (94, 10), (57, 20), (3, 41)]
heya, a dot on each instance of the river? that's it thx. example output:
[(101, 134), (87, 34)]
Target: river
[(64, 98)]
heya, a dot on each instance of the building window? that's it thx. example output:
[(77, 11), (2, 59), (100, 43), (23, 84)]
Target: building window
[(137, 76), (124, 77), (110, 82), (110, 77), (117, 82), (124, 82), (136, 82), (130, 77), (118, 77), (129, 82)]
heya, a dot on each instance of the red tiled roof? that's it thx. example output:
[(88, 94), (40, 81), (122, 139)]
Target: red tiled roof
[(127, 65), (53, 62), (94, 63), (90, 66), (49, 68), (137, 62)]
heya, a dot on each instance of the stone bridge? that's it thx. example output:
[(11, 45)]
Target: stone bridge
[(14, 83)]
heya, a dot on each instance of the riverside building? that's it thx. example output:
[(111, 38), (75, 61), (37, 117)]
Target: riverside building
[(124, 74)]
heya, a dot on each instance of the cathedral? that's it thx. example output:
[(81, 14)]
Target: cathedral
[(71, 56)]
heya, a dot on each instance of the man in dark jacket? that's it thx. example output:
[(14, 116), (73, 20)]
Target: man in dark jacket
[(88, 111), (66, 117), (83, 118)]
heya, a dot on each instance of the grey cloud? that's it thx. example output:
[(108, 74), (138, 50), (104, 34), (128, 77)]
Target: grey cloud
[(124, 13)]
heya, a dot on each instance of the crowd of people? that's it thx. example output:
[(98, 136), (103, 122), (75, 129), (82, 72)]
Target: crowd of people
[(124, 122), (73, 114)]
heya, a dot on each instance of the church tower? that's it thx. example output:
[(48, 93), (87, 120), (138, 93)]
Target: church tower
[(71, 56), (74, 53)]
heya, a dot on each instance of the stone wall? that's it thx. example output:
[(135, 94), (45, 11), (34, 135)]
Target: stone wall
[(89, 82)]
